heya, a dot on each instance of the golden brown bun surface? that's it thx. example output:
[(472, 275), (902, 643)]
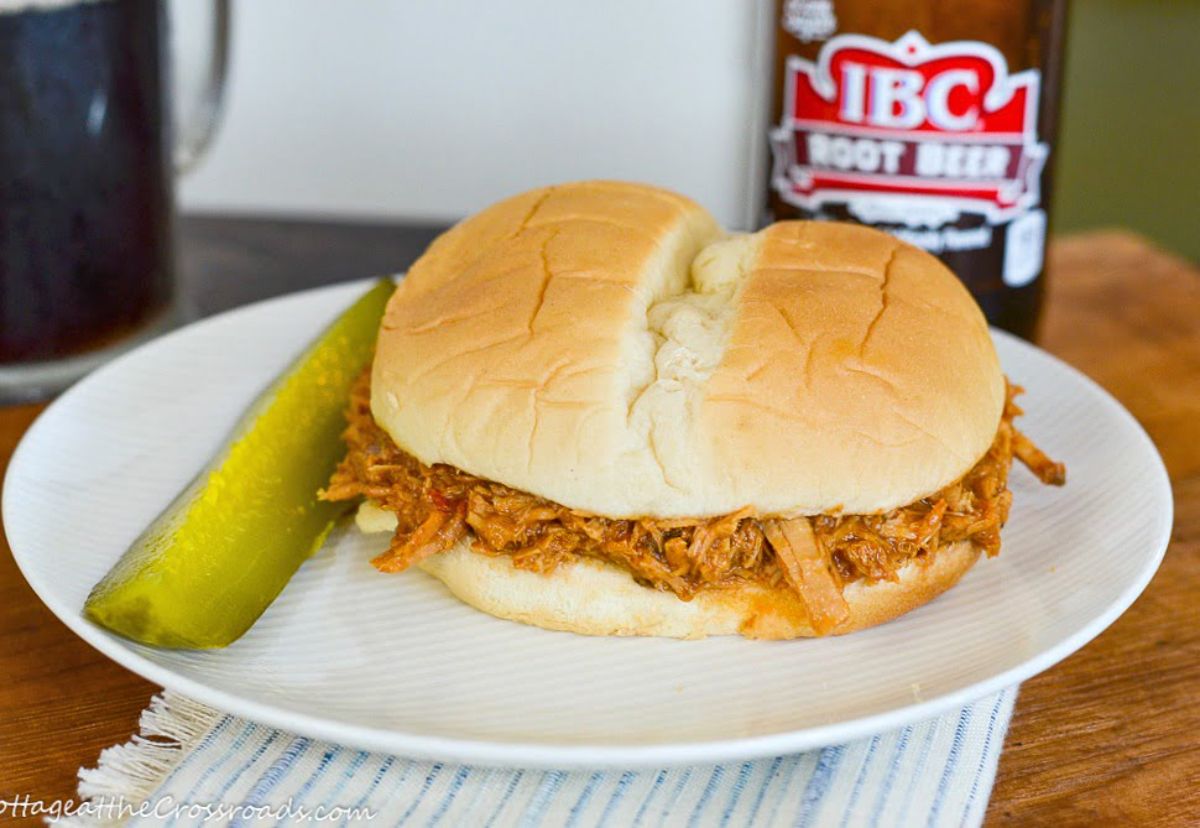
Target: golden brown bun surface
[(606, 346), (593, 598)]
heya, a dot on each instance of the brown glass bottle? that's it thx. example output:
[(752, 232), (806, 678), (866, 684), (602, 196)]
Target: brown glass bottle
[(931, 119)]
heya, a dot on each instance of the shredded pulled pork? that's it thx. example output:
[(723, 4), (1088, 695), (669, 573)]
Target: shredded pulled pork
[(807, 570), (435, 506)]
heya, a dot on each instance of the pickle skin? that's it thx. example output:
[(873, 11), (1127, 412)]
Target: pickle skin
[(205, 570)]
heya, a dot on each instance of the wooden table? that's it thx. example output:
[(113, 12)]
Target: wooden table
[(1111, 734)]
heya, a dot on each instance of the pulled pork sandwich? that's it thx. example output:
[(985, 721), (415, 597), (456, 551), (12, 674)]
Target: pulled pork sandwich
[(590, 409)]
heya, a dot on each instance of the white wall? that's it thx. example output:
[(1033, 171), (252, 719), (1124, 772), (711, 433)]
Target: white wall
[(422, 109)]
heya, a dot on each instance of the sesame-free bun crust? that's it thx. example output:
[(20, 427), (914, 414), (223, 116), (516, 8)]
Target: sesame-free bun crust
[(594, 598), (606, 346)]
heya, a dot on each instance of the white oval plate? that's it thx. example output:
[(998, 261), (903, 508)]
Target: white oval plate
[(394, 663)]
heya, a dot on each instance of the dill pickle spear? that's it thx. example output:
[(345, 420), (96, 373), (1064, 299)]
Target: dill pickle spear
[(209, 565)]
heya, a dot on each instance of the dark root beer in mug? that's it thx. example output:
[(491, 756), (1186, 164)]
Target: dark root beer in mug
[(932, 120), (85, 200)]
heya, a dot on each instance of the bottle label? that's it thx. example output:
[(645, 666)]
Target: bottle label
[(809, 20), (914, 135)]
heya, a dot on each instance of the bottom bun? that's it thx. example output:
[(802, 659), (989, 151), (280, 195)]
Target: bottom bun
[(595, 598)]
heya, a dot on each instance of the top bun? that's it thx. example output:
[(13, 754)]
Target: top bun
[(607, 346)]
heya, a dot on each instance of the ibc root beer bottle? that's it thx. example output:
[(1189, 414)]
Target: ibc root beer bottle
[(931, 119)]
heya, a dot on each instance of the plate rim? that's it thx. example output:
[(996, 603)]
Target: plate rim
[(507, 753)]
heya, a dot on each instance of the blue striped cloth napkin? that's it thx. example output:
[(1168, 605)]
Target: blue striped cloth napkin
[(194, 766)]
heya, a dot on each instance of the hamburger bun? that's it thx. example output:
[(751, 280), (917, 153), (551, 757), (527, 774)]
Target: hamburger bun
[(608, 347), (594, 598)]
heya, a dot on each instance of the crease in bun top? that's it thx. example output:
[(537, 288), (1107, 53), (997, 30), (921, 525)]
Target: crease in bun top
[(591, 409)]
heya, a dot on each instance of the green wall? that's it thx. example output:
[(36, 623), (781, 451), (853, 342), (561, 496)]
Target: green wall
[(1129, 151)]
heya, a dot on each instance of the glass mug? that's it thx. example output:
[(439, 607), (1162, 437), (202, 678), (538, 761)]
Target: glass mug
[(89, 142)]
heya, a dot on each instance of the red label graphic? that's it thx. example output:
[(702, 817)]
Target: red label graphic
[(909, 132)]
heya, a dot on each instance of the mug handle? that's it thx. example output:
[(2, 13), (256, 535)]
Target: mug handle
[(198, 79)]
